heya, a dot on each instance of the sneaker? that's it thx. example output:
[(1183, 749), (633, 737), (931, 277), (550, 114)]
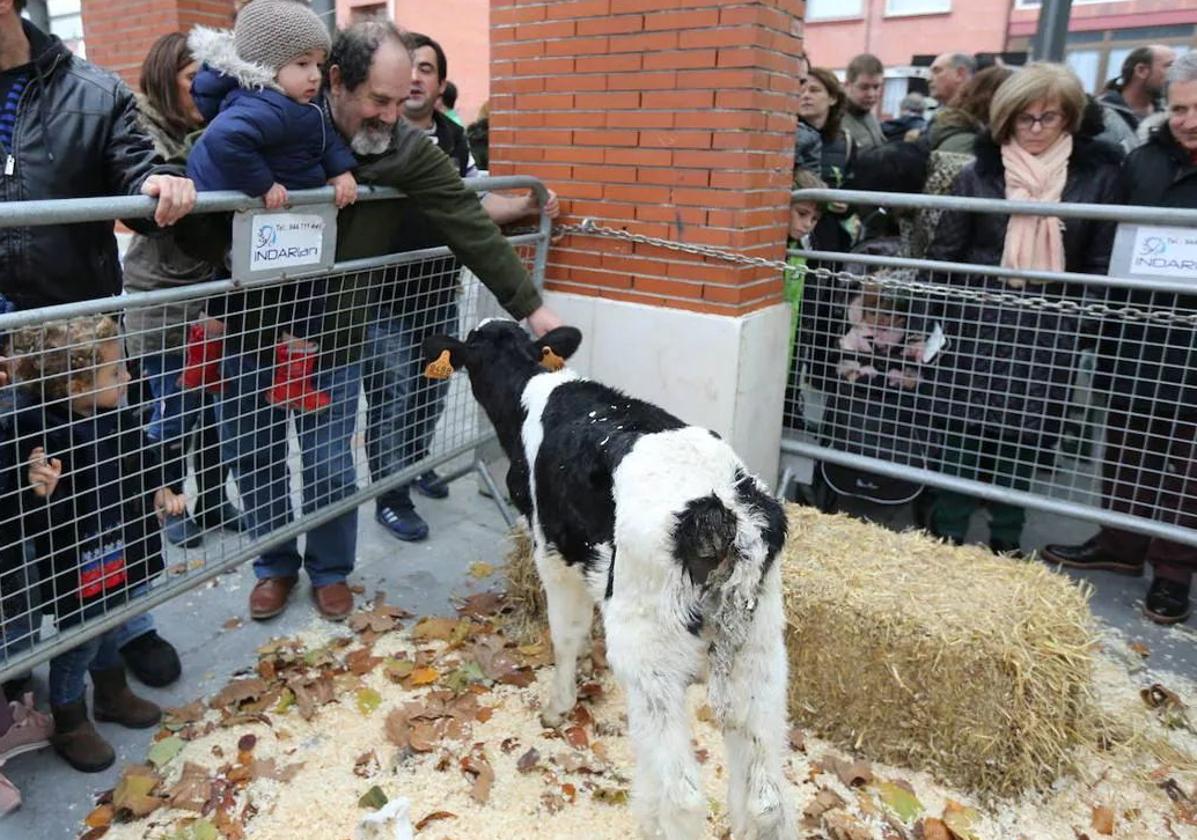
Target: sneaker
[(1167, 601), (152, 659), (431, 485), (30, 730), (403, 523), (184, 531)]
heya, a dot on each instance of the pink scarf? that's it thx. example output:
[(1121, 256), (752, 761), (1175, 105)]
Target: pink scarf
[(1035, 242)]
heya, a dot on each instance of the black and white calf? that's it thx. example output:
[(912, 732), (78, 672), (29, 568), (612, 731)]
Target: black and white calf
[(659, 523)]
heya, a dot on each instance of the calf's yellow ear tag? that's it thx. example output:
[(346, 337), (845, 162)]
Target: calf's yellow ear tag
[(550, 360), (441, 368)]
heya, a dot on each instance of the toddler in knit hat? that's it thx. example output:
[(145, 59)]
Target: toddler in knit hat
[(268, 132)]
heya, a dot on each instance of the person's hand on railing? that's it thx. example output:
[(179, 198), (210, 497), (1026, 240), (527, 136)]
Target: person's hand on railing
[(176, 197), (169, 503), (275, 197), (544, 320), (43, 474), (345, 186)]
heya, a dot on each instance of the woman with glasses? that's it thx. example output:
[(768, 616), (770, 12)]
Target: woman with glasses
[(1002, 385)]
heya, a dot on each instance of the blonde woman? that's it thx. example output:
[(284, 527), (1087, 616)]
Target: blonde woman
[(1004, 383)]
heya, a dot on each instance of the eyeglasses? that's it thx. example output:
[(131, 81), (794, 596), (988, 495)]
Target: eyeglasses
[(1048, 119)]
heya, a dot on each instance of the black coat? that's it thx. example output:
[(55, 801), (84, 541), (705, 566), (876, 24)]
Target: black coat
[(1155, 368), (97, 536), (1007, 370), (76, 135)]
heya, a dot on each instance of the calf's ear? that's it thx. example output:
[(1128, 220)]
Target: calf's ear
[(443, 354), (558, 345)]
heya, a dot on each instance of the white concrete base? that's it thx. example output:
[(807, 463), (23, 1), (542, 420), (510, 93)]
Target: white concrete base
[(727, 374)]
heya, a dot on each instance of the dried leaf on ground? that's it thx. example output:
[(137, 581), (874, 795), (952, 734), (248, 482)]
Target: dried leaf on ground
[(528, 761), (961, 820), (797, 740), (373, 798), (1103, 820), (481, 605), (311, 694), (1140, 648), (368, 700), (100, 817), (1157, 696), (611, 796), (499, 664), (850, 773), (380, 618), (824, 801), (366, 764), (239, 691), (362, 661), (899, 797), (247, 742), (576, 737), (163, 752), (398, 670), (434, 628), (193, 789), (135, 791), (266, 768), (840, 825), (433, 817), (481, 569), (934, 829), (478, 768), (424, 676), (191, 713), (233, 623)]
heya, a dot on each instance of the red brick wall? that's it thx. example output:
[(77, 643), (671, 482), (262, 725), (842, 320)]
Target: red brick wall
[(672, 118), (118, 35)]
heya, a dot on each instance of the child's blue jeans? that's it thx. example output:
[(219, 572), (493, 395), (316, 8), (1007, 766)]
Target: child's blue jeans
[(68, 670)]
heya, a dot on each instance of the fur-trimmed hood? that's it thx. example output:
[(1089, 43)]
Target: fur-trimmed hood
[(216, 49)]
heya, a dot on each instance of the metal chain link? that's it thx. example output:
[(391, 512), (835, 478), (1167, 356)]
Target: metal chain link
[(1064, 307)]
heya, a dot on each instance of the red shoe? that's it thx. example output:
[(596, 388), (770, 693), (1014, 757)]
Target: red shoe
[(201, 366), (293, 383)]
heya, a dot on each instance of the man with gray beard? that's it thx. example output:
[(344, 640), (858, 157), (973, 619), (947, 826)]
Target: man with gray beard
[(368, 78)]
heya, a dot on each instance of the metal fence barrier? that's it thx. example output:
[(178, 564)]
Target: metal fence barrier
[(1069, 393), (309, 402)]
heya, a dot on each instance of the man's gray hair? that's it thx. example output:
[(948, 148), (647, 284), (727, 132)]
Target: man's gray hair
[(913, 102), (353, 49), (963, 60), (1184, 69)]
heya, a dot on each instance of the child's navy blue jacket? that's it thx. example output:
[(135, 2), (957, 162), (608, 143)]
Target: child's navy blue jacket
[(257, 135)]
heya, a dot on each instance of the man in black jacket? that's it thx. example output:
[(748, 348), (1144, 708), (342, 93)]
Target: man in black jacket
[(1150, 467), (69, 130)]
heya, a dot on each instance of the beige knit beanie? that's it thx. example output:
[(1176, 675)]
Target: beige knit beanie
[(273, 32)]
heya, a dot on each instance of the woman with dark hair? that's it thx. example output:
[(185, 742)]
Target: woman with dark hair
[(821, 109), (183, 419)]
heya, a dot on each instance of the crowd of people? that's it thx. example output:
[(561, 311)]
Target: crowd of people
[(976, 385), (270, 106)]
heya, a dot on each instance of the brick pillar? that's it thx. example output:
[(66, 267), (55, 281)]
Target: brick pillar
[(118, 35), (676, 123)]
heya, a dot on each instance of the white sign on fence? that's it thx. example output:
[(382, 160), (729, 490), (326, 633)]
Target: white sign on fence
[(1151, 251), (266, 243)]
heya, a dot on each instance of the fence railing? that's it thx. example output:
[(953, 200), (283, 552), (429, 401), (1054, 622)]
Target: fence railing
[(1073, 393), (277, 407)]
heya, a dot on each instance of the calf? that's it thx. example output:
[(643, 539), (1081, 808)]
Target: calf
[(659, 523)]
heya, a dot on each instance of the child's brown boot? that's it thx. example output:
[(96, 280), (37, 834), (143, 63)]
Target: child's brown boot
[(115, 703), (76, 739)]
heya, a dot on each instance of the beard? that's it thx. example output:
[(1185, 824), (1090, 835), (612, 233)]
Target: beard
[(374, 137)]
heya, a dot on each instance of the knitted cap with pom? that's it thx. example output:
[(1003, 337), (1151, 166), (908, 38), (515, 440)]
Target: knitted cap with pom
[(274, 32)]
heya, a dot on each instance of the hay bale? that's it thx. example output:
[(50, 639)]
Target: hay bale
[(974, 667), (527, 613)]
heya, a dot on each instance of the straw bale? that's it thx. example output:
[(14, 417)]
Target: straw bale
[(974, 667)]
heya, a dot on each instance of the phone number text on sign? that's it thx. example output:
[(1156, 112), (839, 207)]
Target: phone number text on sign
[(286, 240)]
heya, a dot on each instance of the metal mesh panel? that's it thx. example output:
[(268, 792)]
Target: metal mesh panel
[(274, 420), (1071, 394)]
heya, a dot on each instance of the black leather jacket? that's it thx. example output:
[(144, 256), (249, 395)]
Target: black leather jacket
[(76, 135)]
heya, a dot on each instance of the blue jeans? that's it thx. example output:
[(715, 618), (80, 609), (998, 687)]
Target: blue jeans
[(404, 405), (67, 670), (254, 440)]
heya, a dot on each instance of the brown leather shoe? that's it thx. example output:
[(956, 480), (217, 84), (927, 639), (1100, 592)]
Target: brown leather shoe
[(334, 600), (269, 597)]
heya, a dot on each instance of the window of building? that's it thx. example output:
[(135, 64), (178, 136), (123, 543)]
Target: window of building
[(892, 95), (1086, 64), (917, 7), (833, 9)]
